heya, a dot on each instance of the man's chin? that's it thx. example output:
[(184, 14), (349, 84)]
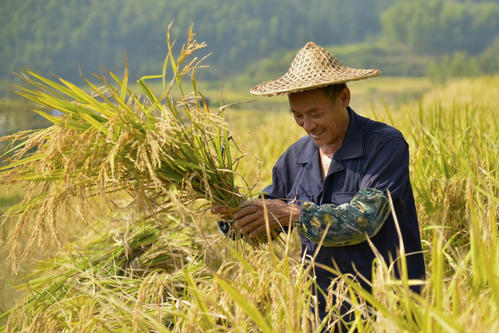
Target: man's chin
[(316, 139)]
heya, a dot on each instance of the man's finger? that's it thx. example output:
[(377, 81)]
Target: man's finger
[(219, 210), (258, 231), (214, 209), (245, 211), (256, 227), (273, 224), (258, 224), (250, 218), (249, 227)]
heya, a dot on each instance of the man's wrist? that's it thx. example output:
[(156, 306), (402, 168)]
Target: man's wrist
[(295, 214)]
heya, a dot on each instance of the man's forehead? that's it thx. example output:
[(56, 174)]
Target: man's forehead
[(308, 101), (297, 110), (311, 92)]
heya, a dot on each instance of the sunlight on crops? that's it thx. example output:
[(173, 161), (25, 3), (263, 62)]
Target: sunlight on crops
[(175, 272)]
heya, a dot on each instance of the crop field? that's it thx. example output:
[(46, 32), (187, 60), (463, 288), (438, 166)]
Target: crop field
[(134, 261)]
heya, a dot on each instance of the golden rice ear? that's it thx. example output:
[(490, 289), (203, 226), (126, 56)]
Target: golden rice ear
[(313, 67)]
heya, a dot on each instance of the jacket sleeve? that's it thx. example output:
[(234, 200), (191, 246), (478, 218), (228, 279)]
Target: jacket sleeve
[(281, 175), (346, 224), (388, 169), (276, 189)]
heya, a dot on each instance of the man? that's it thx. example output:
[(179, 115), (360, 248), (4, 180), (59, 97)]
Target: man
[(332, 184)]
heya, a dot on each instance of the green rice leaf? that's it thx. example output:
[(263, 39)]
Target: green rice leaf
[(49, 117), (124, 83), (52, 84), (30, 159), (95, 123), (98, 107)]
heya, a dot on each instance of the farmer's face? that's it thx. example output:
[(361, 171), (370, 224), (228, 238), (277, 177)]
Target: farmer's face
[(324, 121)]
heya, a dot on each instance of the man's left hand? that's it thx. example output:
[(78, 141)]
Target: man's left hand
[(250, 219)]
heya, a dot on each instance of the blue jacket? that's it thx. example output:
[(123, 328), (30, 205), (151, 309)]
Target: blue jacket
[(373, 155)]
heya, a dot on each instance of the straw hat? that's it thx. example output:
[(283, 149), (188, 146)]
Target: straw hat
[(313, 67)]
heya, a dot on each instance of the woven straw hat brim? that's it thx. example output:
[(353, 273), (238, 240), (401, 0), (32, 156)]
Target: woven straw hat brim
[(313, 67), (283, 86)]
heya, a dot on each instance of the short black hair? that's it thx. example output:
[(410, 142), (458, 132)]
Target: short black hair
[(332, 91)]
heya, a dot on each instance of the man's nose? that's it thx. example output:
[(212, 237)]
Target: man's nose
[(308, 125)]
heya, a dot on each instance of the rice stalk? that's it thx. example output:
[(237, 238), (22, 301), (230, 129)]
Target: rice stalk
[(130, 278)]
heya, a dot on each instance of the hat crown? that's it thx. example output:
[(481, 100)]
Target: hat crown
[(312, 60)]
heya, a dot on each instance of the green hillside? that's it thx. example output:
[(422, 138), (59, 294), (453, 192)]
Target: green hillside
[(58, 35), (399, 36)]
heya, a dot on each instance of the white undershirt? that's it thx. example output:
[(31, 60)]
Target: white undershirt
[(325, 160)]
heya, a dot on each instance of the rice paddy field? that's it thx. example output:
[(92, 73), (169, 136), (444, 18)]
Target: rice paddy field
[(149, 257)]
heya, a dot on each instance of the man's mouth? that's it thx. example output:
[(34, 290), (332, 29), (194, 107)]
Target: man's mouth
[(316, 135)]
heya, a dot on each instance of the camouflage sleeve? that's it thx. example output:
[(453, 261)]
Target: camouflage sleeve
[(346, 224)]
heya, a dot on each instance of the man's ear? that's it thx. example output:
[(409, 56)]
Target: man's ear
[(344, 97)]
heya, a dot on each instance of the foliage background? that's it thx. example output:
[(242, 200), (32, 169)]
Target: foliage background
[(59, 35)]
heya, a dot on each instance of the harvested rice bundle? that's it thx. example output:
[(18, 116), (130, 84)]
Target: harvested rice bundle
[(110, 139)]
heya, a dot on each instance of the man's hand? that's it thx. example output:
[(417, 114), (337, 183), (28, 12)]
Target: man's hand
[(250, 219)]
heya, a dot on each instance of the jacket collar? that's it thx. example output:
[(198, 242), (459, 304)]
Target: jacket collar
[(352, 146), (353, 143)]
